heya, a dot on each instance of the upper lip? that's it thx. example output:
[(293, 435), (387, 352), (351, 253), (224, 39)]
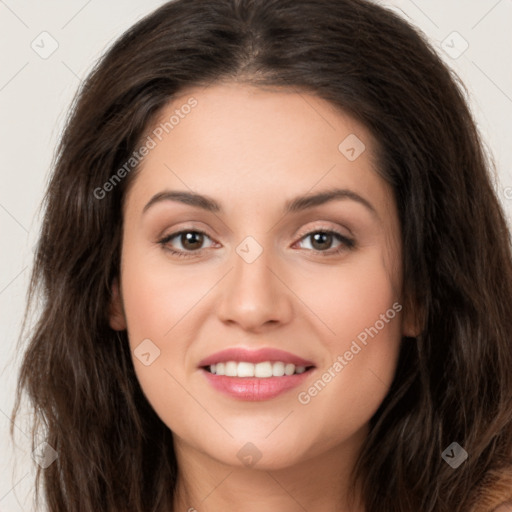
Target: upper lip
[(254, 356)]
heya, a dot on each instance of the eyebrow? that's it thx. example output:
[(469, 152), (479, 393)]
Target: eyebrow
[(294, 205)]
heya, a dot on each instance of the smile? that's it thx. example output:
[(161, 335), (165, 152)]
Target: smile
[(255, 375)]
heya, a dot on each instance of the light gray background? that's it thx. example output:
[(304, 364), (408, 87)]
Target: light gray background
[(35, 93)]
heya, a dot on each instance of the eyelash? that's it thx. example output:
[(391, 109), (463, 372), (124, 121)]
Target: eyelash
[(346, 243)]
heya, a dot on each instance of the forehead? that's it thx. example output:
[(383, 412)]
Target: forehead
[(251, 146)]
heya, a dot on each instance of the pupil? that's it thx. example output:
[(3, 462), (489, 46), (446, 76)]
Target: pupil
[(322, 236), (189, 239)]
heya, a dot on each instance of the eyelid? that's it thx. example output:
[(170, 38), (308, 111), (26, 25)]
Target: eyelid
[(347, 242), (322, 227), (175, 234)]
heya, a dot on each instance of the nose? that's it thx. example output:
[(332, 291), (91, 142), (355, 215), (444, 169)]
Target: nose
[(255, 295)]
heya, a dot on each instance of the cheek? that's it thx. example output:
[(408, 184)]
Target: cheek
[(351, 297), (159, 303), (363, 313), (157, 295), (156, 300)]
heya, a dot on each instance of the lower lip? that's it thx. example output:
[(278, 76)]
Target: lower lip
[(253, 388)]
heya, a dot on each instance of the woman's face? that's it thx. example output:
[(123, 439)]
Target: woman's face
[(306, 287)]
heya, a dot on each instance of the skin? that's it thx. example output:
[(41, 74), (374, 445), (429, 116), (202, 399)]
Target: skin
[(252, 150)]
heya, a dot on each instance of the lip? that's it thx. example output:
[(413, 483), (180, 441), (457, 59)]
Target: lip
[(255, 389), (254, 356)]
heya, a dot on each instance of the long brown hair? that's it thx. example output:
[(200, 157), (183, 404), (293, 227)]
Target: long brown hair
[(453, 383)]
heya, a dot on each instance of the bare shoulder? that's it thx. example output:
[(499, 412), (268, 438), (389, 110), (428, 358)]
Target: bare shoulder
[(494, 494), (505, 507)]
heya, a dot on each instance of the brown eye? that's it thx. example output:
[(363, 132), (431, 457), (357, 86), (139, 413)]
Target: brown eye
[(191, 240), (321, 240)]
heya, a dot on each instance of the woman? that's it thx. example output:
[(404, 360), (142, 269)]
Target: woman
[(259, 370)]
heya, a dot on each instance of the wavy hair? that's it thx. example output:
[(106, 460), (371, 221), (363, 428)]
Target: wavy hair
[(453, 382)]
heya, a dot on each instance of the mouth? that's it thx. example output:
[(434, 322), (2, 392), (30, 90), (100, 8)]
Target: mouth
[(255, 375)]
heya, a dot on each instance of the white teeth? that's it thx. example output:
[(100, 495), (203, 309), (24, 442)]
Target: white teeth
[(261, 370), (231, 369), (289, 369), (245, 369), (278, 369)]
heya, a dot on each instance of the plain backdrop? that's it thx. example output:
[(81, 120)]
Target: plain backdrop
[(473, 36)]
